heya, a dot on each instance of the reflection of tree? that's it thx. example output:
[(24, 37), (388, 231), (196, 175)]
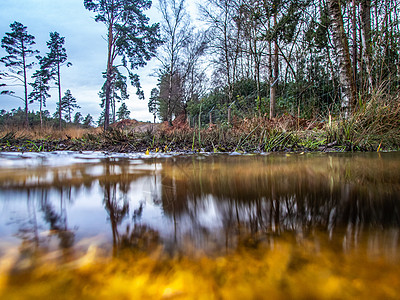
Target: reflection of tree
[(139, 238), (116, 203), (136, 237), (117, 208), (262, 195), (33, 243), (28, 230), (58, 221)]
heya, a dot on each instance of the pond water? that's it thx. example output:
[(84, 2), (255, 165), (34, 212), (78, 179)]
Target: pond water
[(199, 226)]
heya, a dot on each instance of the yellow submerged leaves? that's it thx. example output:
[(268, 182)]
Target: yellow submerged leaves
[(279, 271)]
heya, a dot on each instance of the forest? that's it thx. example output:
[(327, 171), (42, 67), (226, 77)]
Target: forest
[(269, 58), (249, 75)]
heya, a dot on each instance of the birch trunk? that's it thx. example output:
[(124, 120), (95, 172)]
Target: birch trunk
[(348, 91)]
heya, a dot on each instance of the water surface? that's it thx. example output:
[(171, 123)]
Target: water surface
[(337, 212)]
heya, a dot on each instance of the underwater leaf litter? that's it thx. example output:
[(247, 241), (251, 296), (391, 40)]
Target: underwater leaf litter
[(279, 272)]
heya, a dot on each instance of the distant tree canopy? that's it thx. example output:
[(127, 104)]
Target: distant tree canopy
[(16, 119), (88, 121)]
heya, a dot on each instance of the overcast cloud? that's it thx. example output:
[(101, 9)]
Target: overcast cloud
[(86, 50)]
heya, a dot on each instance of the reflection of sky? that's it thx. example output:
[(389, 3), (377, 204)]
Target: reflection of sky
[(84, 209), (86, 215)]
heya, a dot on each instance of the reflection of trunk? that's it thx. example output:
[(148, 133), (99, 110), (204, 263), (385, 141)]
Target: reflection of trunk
[(32, 209), (348, 91), (115, 210), (109, 202), (365, 12)]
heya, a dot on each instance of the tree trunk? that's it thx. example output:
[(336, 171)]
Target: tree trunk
[(109, 77), (169, 106), (274, 81), (59, 94), (354, 48), (25, 85), (348, 90), (365, 12), (269, 64), (227, 63), (40, 113), (107, 103)]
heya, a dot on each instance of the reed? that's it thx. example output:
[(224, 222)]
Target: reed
[(375, 125)]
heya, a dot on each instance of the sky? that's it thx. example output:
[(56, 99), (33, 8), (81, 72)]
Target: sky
[(86, 49)]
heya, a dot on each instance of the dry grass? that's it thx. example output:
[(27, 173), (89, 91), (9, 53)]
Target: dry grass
[(49, 133)]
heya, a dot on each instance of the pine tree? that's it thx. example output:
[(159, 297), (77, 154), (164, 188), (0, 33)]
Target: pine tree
[(68, 104), (78, 118), (153, 102), (129, 36), (88, 121), (40, 88), (18, 44), (54, 60), (123, 112), (119, 92)]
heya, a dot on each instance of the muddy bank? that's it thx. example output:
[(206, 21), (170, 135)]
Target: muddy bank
[(117, 140)]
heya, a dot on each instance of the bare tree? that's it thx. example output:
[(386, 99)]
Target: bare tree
[(226, 41), (176, 34)]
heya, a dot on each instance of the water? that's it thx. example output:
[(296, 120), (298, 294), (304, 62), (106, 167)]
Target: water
[(330, 218)]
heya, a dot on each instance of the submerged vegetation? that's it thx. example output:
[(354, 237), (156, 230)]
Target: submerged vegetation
[(278, 271)]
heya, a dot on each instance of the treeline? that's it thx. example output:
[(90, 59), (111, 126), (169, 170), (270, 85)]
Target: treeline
[(16, 118), (267, 58)]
